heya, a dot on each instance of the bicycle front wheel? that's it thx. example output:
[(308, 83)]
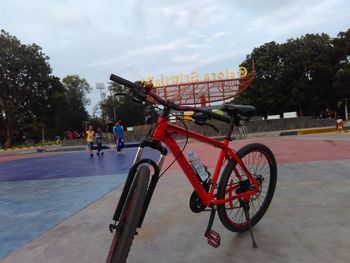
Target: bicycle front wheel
[(261, 163), (129, 218)]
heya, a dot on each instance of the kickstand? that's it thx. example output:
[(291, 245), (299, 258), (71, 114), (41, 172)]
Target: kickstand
[(247, 217), (212, 236)]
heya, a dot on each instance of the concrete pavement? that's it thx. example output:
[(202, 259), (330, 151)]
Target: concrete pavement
[(38, 192), (308, 220)]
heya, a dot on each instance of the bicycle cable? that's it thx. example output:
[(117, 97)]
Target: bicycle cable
[(184, 146)]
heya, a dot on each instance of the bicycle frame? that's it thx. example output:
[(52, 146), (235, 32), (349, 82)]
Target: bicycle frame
[(208, 194), (163, 133)]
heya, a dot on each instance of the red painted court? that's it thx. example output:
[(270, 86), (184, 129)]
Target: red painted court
[(20, 157), (286, 150)]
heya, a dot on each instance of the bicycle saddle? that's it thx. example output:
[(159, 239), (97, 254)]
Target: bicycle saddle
[(244, 110)]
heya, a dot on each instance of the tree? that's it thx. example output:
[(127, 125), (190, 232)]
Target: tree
[(342, 81), (342, 77), (74, 97), (25, 84), (123, 107), (264, 92), (51, 117), (294, 76), (309, 68)]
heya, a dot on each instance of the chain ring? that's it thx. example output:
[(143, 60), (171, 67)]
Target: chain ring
[(196, 204)]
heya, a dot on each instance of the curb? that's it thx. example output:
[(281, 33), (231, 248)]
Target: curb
[(83, 147), (316, 130), (289, 133), (307, 131), (25, 147)]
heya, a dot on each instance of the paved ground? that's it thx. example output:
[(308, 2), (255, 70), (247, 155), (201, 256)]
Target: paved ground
[(308, 220), (38, 191)]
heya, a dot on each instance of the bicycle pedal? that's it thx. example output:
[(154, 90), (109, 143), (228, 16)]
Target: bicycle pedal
[(214, 238)]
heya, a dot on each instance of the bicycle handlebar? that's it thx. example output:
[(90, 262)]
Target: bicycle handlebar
[(136, 89), (140, 93)]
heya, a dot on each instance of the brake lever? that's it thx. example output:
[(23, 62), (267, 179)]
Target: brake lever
[(137, 100), (121, 94)]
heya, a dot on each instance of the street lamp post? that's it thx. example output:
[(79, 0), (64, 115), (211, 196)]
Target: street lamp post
[(346, 109), (43, 132), (101, 86)]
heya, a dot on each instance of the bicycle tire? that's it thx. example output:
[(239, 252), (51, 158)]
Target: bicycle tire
[(129, 218), (256, 215)]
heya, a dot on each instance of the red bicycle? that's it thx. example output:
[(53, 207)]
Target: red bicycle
[(241, 196)]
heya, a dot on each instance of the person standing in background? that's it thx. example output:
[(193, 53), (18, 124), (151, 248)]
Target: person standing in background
[(118, 135), (90, 138), (340, 116), (110, 125), (99, 136)]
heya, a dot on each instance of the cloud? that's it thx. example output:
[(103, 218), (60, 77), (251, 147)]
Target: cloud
[(218, 35), (215, 58), (157, 49), (139, 38), (175, 17), (186, 58), (300, 18)]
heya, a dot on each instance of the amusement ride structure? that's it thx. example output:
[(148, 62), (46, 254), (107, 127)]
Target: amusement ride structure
[(204, 93)]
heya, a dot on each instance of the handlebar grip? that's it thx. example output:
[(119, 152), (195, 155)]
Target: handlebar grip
[(136, 89), (124, 82)]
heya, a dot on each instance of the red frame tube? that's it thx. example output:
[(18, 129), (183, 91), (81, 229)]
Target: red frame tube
[(164, 132)]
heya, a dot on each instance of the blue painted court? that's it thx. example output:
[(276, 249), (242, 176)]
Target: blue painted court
[(39, 193)]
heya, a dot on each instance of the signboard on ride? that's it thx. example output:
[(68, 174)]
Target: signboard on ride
[(191, 89)]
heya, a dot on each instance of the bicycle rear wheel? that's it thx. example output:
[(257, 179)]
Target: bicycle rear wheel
[(129, 218), (261, 163)]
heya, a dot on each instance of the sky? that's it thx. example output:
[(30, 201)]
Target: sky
[(136, 39)]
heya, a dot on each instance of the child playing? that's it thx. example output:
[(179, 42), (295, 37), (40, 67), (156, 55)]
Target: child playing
[(340, 117), (99, 141), (118, 135), (90, 138)]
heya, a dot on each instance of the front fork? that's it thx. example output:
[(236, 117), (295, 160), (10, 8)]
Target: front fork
[(131, 176), (153, 183), (139, 155)]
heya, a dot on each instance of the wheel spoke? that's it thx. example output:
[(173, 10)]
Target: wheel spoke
[(259, 162), (234, 207)]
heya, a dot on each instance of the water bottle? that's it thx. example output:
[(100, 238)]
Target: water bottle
[(197, 165)]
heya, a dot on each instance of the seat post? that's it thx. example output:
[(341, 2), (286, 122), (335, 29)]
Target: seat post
[(230, 129)]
